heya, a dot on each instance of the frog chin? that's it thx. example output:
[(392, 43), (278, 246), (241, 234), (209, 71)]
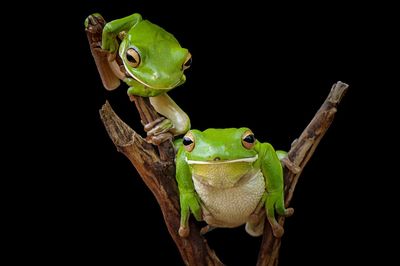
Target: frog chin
[(222, 173), (166, 88)]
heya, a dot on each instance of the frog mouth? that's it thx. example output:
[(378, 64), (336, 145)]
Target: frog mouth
[(150, 86), (221, 173), (214, 162)]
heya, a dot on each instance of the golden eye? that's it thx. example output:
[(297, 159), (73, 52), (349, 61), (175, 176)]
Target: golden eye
[(248, 139), (188, 62), (133, 57), (188, 141)]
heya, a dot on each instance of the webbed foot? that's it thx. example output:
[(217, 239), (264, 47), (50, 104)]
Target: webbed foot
[(274, 202), (158, 130), (290, 165), (94, 24)]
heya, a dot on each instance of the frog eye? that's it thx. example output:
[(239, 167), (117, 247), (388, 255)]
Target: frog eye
[(188, 141), (133, 57), (188, 62), (248, 139)]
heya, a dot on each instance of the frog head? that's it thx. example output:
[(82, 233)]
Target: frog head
[(220, 157), (153, 58)]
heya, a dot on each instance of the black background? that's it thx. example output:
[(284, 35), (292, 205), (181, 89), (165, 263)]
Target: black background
[(261, 66)]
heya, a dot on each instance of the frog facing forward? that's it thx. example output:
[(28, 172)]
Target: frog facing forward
[(228, 178)]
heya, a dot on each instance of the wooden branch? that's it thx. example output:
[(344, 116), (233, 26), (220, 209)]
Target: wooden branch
[(159, 175), (299, 154)]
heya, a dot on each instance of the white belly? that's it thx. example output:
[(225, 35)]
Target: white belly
[(231, 207)]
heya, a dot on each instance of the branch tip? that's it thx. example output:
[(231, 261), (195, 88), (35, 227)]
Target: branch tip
[(119, 132), (338, 91)]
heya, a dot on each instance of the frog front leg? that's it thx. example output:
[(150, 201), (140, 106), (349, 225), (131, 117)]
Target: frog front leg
[(112, 30), (189, 200), (105, 53), (274, 200)]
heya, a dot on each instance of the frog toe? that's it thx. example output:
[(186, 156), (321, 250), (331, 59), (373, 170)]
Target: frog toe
[(158, 126), (184, 231), (157, 131), (158, 139), (288, 212), (277, 230)]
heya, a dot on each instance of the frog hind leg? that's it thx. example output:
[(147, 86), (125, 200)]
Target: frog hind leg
[(255, 224)]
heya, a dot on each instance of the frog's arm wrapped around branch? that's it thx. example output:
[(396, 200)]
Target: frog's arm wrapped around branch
[(271, 168)]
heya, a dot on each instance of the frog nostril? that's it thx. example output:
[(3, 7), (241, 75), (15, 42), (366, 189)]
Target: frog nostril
[(217, 159)]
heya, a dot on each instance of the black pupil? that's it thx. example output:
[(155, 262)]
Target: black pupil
[(130, 58), (187, 141), (249, 139), (188, 62)]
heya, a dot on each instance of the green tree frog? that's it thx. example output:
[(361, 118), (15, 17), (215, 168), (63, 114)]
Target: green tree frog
[(228, 178), (153, 63)]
